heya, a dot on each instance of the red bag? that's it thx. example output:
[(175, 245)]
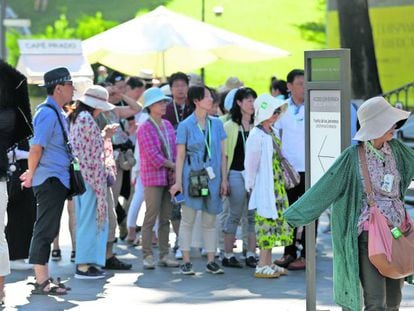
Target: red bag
[(393, 257)]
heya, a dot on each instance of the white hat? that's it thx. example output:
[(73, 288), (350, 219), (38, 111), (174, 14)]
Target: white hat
[(229, 99), (166, 90), (146, 74), (96, 97), (265, 106), (194, 79), (376, 116), (80, 84)]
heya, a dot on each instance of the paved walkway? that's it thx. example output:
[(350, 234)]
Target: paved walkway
[(166, 289)]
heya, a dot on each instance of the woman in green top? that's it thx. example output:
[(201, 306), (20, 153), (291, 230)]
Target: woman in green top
[(342, 187)]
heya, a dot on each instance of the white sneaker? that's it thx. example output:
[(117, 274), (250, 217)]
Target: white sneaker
[(20, 264), (178, 254), (148, 262)]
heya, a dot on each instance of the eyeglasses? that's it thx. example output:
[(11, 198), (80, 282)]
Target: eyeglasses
[(277, 111), (67, 83)]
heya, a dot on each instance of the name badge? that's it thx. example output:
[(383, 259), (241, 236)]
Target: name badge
[(210, 172), (387, 183)]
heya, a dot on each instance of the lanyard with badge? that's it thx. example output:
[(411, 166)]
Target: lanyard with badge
[(388, 181), (164, 138), (177, 117), (243, 137), (207, 142), (294, 110)]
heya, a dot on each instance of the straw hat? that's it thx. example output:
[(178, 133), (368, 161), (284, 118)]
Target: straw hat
[(264, 107), (376, 116), (96, 97)]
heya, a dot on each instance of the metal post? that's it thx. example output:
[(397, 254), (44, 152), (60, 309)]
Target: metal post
[(203, 15), (310, 267), (3, 29)]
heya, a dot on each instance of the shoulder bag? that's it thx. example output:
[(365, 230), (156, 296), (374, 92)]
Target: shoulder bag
[(290, 175), (77, 184), (390, 249)]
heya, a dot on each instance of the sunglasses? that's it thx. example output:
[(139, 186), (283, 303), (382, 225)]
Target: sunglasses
[(277, 111)]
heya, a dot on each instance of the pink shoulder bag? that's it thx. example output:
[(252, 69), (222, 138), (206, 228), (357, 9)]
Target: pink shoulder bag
[(390, 249)]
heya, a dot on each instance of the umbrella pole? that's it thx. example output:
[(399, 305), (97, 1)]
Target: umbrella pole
[(163, 66)]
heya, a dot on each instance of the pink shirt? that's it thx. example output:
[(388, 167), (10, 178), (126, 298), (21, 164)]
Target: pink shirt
[(152, 153)]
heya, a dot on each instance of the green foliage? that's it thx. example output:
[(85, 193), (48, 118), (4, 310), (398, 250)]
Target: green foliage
[(12, 46), (313, 31), (89, 26), (60, 29), (86, 26), (268, 21)]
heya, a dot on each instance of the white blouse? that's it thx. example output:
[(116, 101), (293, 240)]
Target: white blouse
[(259, 173)]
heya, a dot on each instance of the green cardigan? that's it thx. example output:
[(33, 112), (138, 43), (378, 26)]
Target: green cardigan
[(342, 187)]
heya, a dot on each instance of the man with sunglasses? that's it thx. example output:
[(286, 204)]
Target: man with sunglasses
[(48, 174)]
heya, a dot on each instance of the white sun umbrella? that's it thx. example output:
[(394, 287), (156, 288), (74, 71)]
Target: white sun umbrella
[(167, 42)]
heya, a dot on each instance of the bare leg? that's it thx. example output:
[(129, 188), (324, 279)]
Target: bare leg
[(131, 234), (42, 274), (72, 223), (265, 257), (109, 251), (2, 289), (251, 242), (56, 243), (228, 242)]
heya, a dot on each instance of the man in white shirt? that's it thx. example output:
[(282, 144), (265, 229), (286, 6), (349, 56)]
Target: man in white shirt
[(291, 130)]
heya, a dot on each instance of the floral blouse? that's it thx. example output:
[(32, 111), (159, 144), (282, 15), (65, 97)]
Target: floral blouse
[(388, 203), (88, 147)]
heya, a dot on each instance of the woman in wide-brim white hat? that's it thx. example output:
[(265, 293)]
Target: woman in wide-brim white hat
[(264, 182), (91, 207), (391, 169)]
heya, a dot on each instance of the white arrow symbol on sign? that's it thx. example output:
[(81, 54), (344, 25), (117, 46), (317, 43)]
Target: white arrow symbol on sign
[(323, 156)]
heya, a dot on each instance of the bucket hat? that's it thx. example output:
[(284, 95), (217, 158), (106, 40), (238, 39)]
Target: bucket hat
[(154, 95), (96, 97), (264, 107), (56, 76), (376, 116)]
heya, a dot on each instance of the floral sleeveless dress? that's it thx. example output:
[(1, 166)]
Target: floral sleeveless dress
[(275, 232)]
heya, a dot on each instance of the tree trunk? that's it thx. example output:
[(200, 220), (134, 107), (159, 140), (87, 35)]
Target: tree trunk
[(356, 34)]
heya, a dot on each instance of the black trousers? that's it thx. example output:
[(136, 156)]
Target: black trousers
[(50, 197), (21, 215), (293, 195)]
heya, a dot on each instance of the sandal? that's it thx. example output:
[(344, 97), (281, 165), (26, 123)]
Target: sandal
[(54, 290), (56, 255), (266, 272), (280, 270)]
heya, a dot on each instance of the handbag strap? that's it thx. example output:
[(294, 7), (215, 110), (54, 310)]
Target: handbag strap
[(367, 180), (65, 136), (277, 147)]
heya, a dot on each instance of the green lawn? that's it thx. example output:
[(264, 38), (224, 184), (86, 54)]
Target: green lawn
[(270, 21)]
